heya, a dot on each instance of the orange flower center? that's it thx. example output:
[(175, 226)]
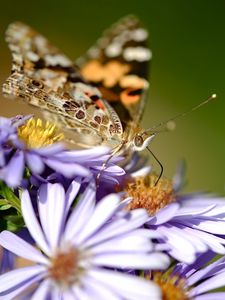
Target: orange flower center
[(64, 268), (172, 287), (147, 195)]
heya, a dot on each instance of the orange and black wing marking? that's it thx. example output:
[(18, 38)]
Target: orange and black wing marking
[(118, 65)]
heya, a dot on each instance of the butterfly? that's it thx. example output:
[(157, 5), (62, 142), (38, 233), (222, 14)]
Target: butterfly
[(100, 98)]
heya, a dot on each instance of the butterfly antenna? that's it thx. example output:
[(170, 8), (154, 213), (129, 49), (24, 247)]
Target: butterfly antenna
[(212, 97), (159, 163)]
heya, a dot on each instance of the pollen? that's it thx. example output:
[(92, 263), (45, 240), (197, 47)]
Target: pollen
[(172, 287), (36, 134), (146, 194), (64, 268)]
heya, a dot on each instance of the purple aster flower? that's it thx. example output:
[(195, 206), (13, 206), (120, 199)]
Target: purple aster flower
[(190, 224), (85, 255), (193, 282), (38, 147)]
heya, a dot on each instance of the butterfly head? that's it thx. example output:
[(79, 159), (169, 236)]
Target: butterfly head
[(141, 140)]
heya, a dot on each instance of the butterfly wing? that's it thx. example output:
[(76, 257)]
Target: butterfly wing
[(118, 65), (46, 78)]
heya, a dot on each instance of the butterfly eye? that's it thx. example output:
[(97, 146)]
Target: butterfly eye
[(141, 141), (138, 141)]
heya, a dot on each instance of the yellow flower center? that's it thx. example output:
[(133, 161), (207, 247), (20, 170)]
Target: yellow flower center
[(64, 268), (35, 134), (147, 195), (172, 287)]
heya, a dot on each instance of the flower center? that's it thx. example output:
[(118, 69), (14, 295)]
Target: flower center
[(64, 268), (35, 134), (147, 195), (172, 287)]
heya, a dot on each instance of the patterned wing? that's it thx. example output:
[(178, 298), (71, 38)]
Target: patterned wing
[(118, 66), (46, 78)]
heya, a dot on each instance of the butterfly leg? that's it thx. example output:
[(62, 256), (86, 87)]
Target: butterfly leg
[(116, 151)]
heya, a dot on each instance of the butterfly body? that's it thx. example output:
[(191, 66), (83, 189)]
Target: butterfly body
[(100, 101)]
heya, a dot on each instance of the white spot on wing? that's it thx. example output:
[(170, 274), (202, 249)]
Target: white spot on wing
[(32, 56), (17, 57), (40, 41), (19, 33), (137, 53), (14, 48), (87, 89), (139, 34), (58, 59), (113, 50)]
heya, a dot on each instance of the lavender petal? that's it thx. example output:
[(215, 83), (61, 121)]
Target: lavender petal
[(155, 261), (211, 296), (32, 222), (126, 286), (209, 284), (164, 215), (42, 291), (103, 212), (81, 213), (18, 246), (67, 169), (15, 278), (14, 170), (51, 204), (72, 193), (35, 163)]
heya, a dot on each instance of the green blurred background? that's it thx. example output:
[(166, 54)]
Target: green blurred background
[(188, 43)]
